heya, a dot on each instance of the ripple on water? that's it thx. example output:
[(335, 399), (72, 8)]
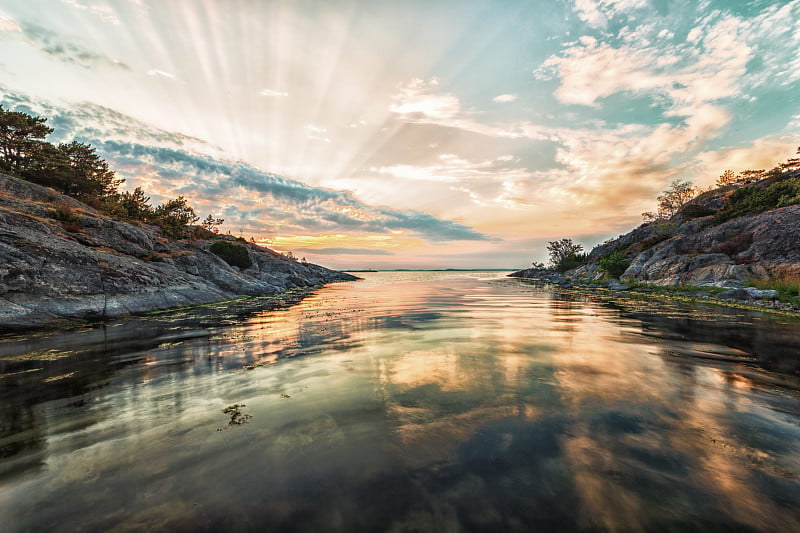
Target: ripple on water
[(413, 400)]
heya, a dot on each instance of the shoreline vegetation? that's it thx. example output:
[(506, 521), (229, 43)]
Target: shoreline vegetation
[(750, 298)]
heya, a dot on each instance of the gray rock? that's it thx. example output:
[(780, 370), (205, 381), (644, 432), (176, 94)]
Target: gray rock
[(50, 273), (761, 294), (734, 294), (615, 285), (748, 293)]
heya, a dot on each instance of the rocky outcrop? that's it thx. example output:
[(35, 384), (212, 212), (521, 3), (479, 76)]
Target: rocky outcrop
[(722, 238), (62, 260), (702, 251), (766, 245)]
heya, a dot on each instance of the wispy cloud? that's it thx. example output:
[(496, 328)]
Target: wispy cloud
[(273, 200), (690, 85), (450, 168), (333, 250), (418, 100), (9, 24), (161, 74), (505, 98), (598, 13), (317, 133), (271, 92), (421, 102), (62, 49), (104, 12)]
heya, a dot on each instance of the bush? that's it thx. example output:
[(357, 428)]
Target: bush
[(69, 218), (571, 261), (565, 255), (232, 253), (751, 200), (696, 211), (614, 264), (174, 216)]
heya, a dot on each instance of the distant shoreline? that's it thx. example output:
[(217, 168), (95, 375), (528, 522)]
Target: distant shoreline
[(433, 270)]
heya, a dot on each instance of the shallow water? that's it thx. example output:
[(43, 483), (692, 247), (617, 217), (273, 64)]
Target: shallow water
[(408, 401)]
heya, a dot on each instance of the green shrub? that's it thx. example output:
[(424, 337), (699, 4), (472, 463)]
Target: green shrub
[(614, 264), (568, 262), (696, 211), (751, 200), (565, 255), (232, 253)]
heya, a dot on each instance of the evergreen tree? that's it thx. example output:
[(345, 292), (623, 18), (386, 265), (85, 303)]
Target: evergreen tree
[(20, 139), (86, 173), (174, 215)]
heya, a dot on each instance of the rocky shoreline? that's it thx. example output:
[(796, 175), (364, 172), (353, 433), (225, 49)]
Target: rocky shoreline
[(727, 292), (736, 244), (57, 268)]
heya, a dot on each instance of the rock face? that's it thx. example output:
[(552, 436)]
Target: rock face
[(699, 251), (88, 266), (756, 246)]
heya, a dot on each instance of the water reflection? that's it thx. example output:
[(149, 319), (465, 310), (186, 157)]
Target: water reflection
[(413, 401)]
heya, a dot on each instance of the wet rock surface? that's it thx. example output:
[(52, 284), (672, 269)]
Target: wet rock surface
[(52, 271)]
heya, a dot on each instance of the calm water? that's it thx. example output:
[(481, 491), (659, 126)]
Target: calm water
[(407, 402)]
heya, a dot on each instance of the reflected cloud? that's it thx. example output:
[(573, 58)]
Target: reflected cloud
[(471, 400)]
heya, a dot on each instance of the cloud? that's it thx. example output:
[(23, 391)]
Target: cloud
[(317, 133), (760, 154), (597, 13), (270, 92), (66, 51), (775, 38), (278, 201), (343, 251), (722, 56), (505, 98), (161, 74), (690, 86), (164, 164), (105, 13), (420, 102), (8, 24), (451, 168), (87, 122), (590, 70)]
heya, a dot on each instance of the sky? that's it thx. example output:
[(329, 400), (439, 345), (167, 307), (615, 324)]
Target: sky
[(412, 133)]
